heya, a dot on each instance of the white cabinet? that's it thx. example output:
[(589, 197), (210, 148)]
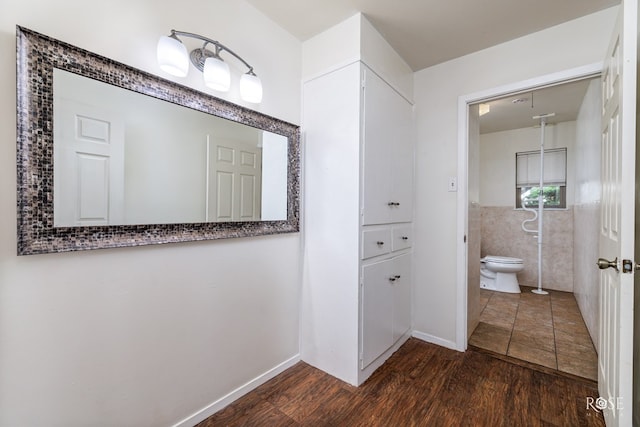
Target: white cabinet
[(386, 305), (401, 237), (377, 310), (358, 185), (401, 295), (376, 241), (388, 154)]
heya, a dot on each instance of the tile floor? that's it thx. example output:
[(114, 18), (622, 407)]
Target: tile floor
[(547, 330)]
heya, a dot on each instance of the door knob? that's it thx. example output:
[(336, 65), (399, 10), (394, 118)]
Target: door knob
[(603, 264)]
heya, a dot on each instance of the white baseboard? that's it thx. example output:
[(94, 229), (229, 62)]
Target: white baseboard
[(435, 340), (214, 407)]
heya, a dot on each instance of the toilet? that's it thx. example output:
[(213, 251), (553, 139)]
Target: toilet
[(498, 273)]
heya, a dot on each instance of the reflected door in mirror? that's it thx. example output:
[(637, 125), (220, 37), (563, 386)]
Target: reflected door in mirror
[(124, 158)]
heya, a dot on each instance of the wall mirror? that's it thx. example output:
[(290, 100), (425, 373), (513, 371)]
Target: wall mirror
[(111, 156)]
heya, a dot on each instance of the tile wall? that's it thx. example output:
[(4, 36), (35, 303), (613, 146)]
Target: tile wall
[(587, 288), (502, 235), (473, 270)]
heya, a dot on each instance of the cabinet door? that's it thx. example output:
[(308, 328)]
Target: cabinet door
[(401, 271), (388, 154), (376, 167), (377, 311), (402, 155), (386, 305)]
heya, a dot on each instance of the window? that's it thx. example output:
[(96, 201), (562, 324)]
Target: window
[(554, 191)]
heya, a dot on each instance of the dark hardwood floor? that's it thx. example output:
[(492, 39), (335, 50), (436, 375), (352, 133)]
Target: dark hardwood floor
[(420, 385)]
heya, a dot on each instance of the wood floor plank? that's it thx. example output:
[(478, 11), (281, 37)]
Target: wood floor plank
[(420, 385), (304, 396), (261, 414)]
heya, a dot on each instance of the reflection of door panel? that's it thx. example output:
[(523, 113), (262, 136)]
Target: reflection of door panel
[(93, 187), (88, 165), (248, 197), (224, 201), (236, 168)]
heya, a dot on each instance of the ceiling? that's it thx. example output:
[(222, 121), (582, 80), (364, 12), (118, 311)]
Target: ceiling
[(428, 32), (517, 111)]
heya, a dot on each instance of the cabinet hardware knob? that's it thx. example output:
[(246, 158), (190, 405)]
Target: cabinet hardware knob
[(392, 279), (393, 204), (397, 276), (379, 243), (405, 238)]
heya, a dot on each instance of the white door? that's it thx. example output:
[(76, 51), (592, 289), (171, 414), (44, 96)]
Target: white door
[(377, 310), (388, 153), (401, 271), (234, 181), (88, 165), (615, 353), (379, 132), (402, 155)]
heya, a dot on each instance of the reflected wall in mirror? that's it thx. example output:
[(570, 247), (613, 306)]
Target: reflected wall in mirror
[(111, 156), (121, 157)]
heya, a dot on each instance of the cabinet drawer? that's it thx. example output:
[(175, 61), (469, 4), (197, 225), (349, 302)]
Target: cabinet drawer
[(376, 242), (402, 237)]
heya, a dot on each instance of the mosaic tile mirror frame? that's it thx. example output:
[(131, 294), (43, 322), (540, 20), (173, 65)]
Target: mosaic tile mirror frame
[(37, 56)]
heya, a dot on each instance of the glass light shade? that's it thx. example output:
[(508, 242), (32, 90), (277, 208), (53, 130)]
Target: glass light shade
[(251, 88), (173, 57), (216, 74)]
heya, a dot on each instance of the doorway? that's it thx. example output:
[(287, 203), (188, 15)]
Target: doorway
[(498, 217)]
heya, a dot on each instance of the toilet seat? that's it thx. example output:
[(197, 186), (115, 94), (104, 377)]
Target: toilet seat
[(502, 259)]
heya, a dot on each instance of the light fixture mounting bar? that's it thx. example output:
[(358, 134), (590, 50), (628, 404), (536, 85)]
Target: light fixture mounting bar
[(219, 47)]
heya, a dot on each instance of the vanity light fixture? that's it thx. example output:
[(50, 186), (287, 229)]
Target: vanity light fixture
[(173, 58)]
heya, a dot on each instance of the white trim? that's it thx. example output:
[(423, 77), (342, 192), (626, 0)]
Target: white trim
[(463, 224), (214, 407), (331, 69), (578, 73), (560, 77), (348, 62), (434, 340)]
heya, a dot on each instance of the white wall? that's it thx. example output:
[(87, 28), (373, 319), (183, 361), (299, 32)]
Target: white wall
[(378, 54), (498, 159), (274, 177), (576, 43), (587, 173), (356, 39), (147, 335), (332, 49), (586, 286)]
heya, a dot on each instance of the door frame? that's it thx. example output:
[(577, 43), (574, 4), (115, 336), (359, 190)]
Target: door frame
[(464, 101)]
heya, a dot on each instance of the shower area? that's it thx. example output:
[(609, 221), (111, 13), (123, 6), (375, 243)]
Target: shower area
[(557, 327)]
